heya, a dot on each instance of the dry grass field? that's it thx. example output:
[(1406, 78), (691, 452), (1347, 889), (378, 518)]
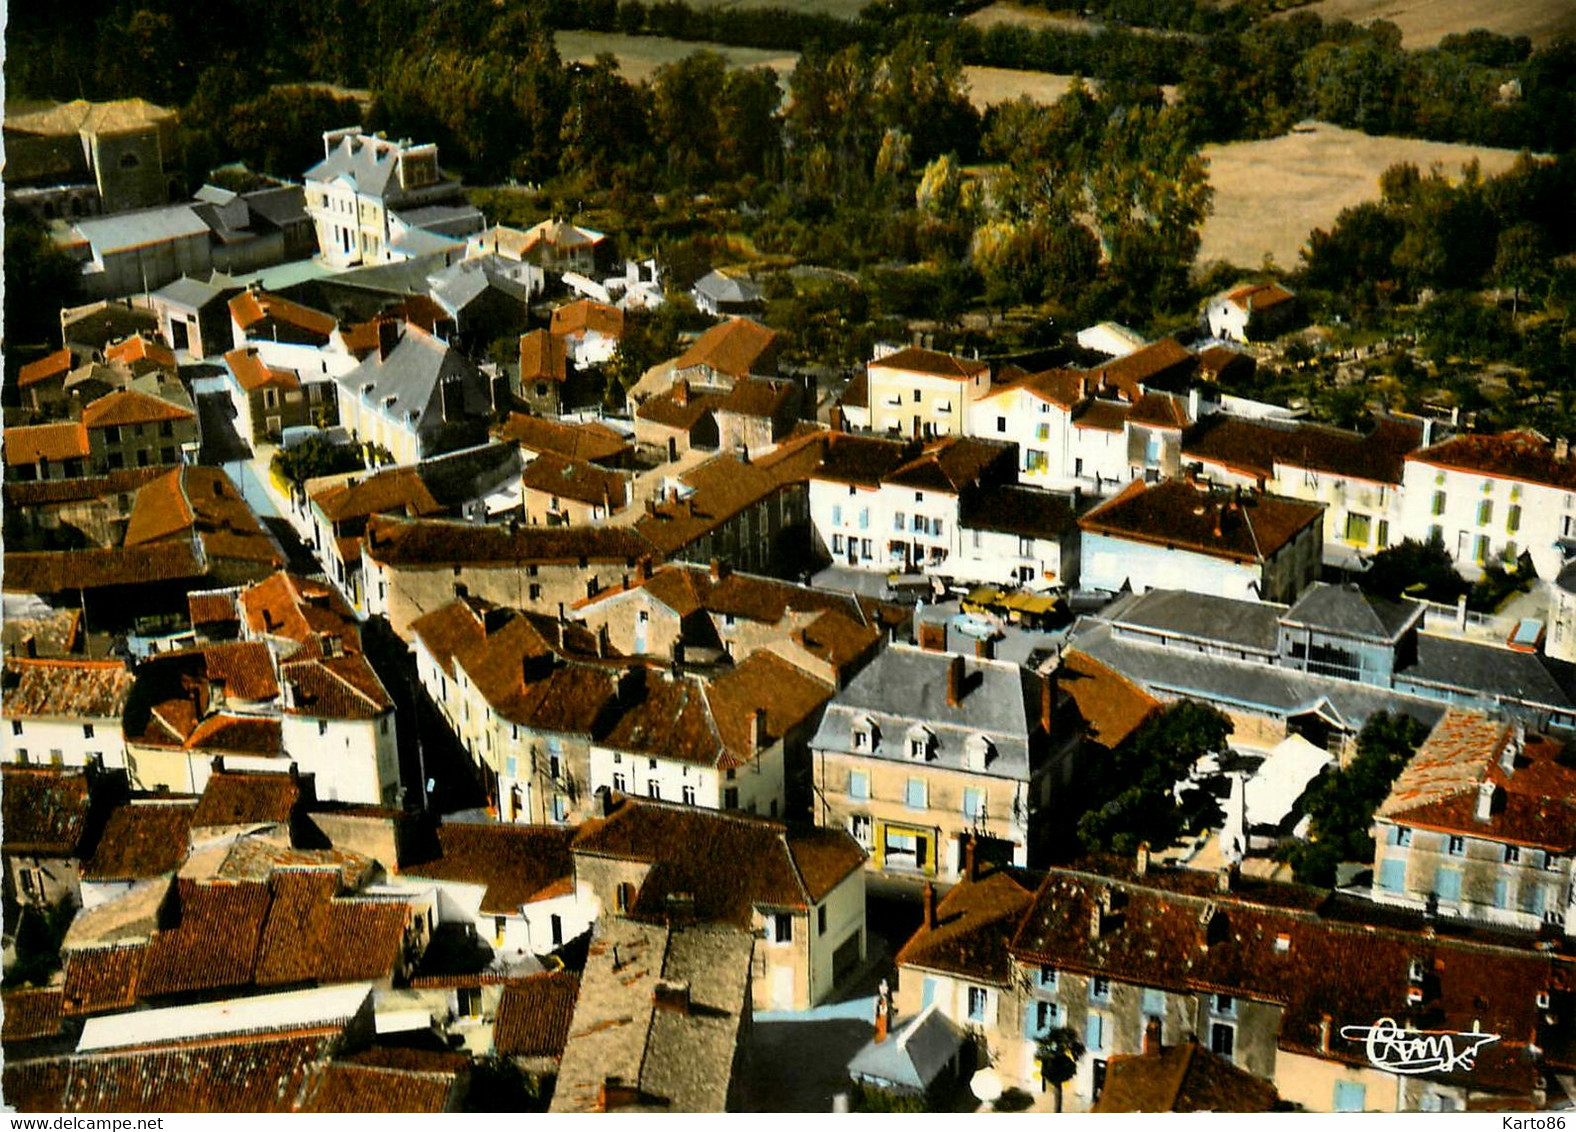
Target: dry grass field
[(639, 56), (1270, 194), (1007, 12), (842, 9), (1424, 23)]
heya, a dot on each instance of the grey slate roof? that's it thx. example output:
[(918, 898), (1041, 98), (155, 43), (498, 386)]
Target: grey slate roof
[(1484, 670), (420, 242), (194, 294), (458, 285), (407, 278), (411, 376), (279, 206), (457, 478), (355, 159), (906, 687), (720, 288), (1253, 625), (1265, 688), (128, 230), (1348, 611), (914, 1054)]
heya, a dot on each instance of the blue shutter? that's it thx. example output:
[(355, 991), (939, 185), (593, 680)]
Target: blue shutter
[(1094, 1032), (837, 515), (1502, 893), (928, 996), (1447, 884), (1392, 875), (1350, 1096)]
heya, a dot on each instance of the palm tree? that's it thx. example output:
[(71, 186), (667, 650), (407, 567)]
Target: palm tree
[(1059, 1052)]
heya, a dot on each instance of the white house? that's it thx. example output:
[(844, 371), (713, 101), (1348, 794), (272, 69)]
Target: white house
[(923, 393), (415, 397), (1491, 498), (64, 712)]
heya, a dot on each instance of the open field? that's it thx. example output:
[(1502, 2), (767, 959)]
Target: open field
[(1424, 23), (1270, 194), (639, 56), (1029, 16), (990, 85), (842, 9)]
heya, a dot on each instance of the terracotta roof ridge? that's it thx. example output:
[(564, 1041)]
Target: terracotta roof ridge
[(319, 662)]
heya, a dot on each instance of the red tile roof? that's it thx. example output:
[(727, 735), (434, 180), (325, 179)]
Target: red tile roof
[(975, 922), (534, 1014), (542, 357), (210, 943), (1112, 706), (735, 348), (259, 1074), (79, 489), (215, 607), (575, 479), (727, 863), (517, 864), (414, 1081), (132, 407), (313, 936), (1259, 448), (53, 572), (1182, 1078), (428, 544), (142, 840), (204, 501), (1518, 455), (584, 315), (29, 1014), (1134, 372), (53, 365), (337, 687), (933, 363), (951, 464), (139, 348), (1247, 528), (245, 668), (251, 309), (239, 798), (393, 491), (1534, 803), (585, 441), (679, 407), (29, 444), (64, 688), (1259, 296), (43, 811), (99, 979), (252, 373)]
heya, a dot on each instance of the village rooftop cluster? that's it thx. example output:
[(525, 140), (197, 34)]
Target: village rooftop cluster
[(555, 754)]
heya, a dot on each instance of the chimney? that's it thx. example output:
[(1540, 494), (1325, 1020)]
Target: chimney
[(681, 391), (930, 907), (31, 644), (757, 729), (388, 337), (970, 861), (616, 1094), (1485, 802), (1152, 1036), (1428, 431), (1047, 702), (1097, 914), (932, 636), (604, 808), (1193, 400), (1324, 1033), (719, 570), (643, 569), (602, 645), (1206, 923), (1142, 867), (985, 648), (883, 1016), (672, 995), (1511, 751), (1218, 509), (955, 682), (1226, 878), (1562, 448)]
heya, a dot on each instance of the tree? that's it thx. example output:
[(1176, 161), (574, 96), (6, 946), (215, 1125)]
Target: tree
[(1340, 804), (605, 124), (40, 279), (1135, 793), (1422, 569), (1059, 1052), (1520, 261)]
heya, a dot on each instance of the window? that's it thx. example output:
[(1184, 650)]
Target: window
[(1223, 1005), (820, 920), (1045, 978), (837, 544), (1485, 514), (1094, 1032), (730, 798), (1357, 528), (977, 996), (859, 829), (914, 794), (935, 528), (1512, 854), (1100, 989), (864, 518), (624, 897), (1502, 893), (858, 782), (837, 515), (1457, 846), (1403, 837), (1513, 519), (1480, 549), (782, 927), (973, 803), (1447, 885), (16, 727), (87, 731), (1042, 1018), (1439, 503), (1153, 1003), (899, 521), (620, 783), (688, 794), (1042, 431), (560, 809), (1222, 1039), (1350, 1096), (322, 727), (916, 396), (653, 789), (1001, 424), (861, 743), (469, 1002)]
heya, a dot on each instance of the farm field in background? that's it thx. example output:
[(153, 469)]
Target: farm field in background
[(1424, 23), (1270, 194)]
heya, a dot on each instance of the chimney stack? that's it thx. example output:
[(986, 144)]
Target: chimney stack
[(719, 570), (930, 907), (985, 648), (883, 1012), (681, 391), (1324, 1033), (971, 868), (672, 995), (1562, 448), (1485, 802), (1226, 878), (616, 1094), (388, 337), (955, 682), (1218, 509), (603, 647), (1142, 867), (1047, 702), (1152, 1036), (757, 729), (932, 636)]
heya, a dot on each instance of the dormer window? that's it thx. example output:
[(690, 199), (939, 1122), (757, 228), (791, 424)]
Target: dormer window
[(865, 735), (980, 752), (920, 743)]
